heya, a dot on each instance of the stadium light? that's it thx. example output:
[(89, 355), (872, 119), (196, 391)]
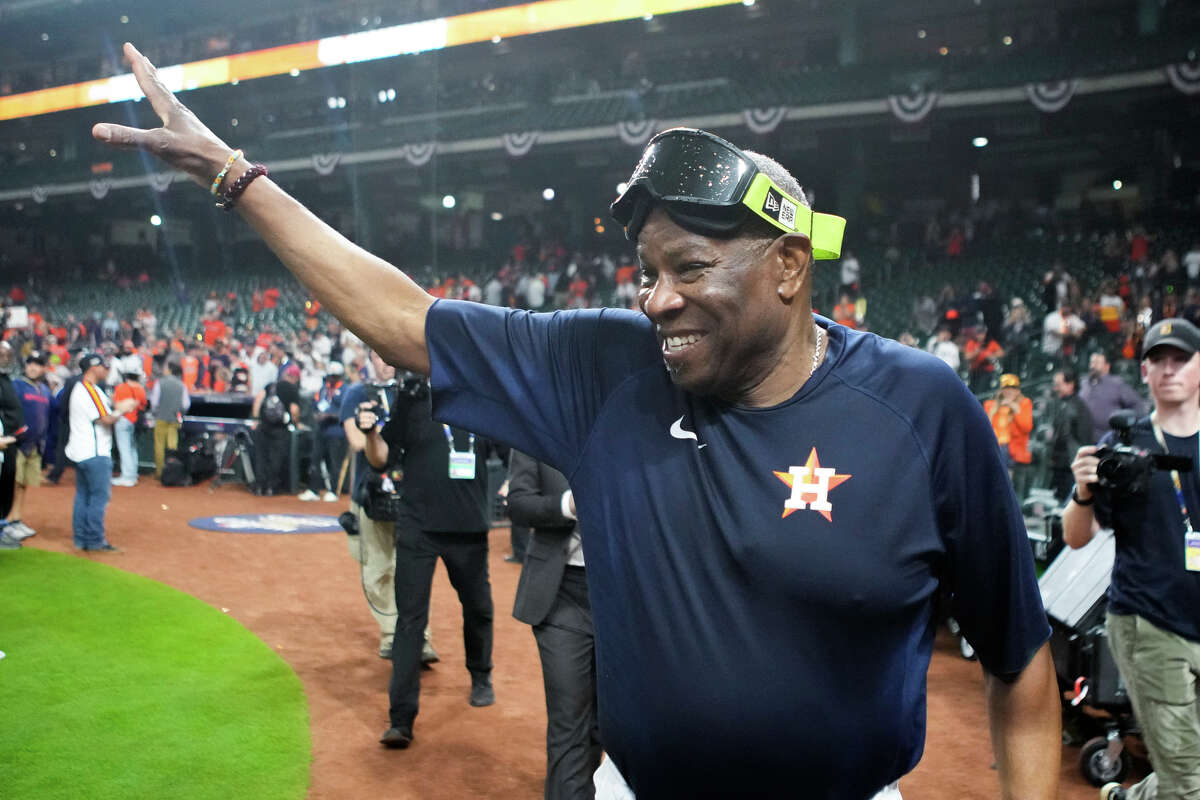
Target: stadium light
[(621, 187), (295, 73), (547, 194), (747, 3), (980, 141), (448, 201), (1008, 40), (382, 96), (497, 216), (124, 20), (1117, 186), (391, 95), (155, 220), (496, 39), (331, 102)]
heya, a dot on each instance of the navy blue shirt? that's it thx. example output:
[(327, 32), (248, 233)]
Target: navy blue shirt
[(1149, 577), (762, 579), (35, 403), (352, 397)]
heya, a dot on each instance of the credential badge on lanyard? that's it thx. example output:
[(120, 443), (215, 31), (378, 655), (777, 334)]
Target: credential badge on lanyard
[(462, 464), (1191, 538)]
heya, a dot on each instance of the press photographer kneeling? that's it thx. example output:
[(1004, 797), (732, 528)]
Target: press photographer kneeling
[(1152, 504)]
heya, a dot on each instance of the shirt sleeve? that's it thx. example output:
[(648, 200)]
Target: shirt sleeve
[(533, 381), (88, 402), (350, 400), (989, 561)]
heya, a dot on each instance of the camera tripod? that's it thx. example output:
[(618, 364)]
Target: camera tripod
[(237, 451)]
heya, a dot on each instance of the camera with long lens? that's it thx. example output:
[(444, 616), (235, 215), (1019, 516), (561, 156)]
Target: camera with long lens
[(1125, 469)]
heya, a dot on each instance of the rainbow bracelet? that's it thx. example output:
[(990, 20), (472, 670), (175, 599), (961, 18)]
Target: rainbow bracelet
[(216, 184)]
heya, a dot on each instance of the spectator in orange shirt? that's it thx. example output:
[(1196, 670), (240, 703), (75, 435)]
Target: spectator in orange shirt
[(1011, 414), (983, 353), (125, 429), (271, 297), (846, 312)]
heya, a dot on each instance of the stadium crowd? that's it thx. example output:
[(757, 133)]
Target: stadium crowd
[(245, 346)]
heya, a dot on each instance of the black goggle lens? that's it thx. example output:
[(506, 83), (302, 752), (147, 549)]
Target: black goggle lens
[(687, 167)]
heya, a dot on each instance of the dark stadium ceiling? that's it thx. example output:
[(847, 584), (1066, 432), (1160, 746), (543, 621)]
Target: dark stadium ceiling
[(1109, 131)]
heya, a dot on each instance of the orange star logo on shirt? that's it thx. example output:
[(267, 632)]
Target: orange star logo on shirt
[(811, 485)]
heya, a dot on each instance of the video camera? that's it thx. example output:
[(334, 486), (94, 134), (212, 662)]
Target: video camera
[(406, 384), (1125, 469)]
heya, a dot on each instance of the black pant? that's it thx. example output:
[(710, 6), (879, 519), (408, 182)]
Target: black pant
[(1062, 481), (60, 457), (8, 480), (465, 556), (566, 645), (330, 450), (270, 456)]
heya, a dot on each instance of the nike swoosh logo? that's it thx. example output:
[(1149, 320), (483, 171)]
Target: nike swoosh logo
[(679, 433)]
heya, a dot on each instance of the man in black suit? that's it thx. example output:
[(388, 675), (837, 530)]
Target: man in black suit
[(552, 596)]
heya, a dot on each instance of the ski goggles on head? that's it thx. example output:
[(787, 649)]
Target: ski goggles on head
[(707, 185)]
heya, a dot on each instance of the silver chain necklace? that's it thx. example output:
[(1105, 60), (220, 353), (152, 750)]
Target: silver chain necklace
[(817, 349)]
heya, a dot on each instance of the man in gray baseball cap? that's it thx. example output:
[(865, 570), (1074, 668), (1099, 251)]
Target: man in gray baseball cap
[(1174, 332), (1153, 628)]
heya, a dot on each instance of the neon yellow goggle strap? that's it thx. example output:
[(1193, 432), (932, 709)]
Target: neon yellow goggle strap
[(824, 231)]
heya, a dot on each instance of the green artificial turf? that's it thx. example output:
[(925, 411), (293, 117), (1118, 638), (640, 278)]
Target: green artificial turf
[(115, 686)]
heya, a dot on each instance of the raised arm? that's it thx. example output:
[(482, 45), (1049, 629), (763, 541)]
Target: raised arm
[(371, 297)]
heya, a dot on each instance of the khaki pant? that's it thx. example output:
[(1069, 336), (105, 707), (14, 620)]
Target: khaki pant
[(166, 437), (375, 549), (1161, 672)]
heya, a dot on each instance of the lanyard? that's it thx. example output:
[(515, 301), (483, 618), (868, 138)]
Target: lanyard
[(1187, 522), (450, 440)]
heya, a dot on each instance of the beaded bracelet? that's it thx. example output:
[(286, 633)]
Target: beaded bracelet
[(230, 196), (216, 184)]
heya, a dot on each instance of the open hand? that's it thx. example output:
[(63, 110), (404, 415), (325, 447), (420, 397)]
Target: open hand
[(183, 141)]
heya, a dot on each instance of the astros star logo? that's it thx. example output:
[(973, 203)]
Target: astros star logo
[(810, 486)]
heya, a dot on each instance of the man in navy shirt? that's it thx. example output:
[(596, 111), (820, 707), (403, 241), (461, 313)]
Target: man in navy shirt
[(1153, 618), (771, 514), (34, 395)]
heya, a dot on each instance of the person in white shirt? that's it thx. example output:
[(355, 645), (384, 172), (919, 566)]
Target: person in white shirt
[(851, 271), (263, 371), (1060, 330), (89, 445), (942, 346), (1191, 262)]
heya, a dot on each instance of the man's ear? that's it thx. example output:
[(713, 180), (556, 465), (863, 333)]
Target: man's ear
[(793, 254)]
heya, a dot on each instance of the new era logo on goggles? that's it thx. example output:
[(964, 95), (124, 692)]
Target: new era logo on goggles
[(710, 186)]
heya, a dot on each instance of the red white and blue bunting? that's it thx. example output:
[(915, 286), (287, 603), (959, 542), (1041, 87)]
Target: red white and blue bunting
[(912, 107), (518, 144), (325, 163), (1185, 77), (1051, 96), (419, 154), (636, 134), (159, 181), (764, 120)]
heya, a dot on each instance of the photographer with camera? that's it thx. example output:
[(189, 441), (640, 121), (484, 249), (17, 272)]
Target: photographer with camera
[(373, 543), (443, 513), (1151, 501)]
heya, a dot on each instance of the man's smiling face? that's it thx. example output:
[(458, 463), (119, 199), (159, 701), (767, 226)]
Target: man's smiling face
[(715, 307)]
